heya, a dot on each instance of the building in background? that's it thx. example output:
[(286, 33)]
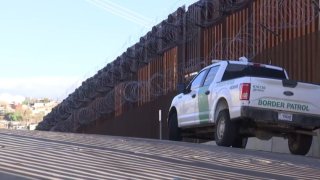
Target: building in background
[(26, 114)]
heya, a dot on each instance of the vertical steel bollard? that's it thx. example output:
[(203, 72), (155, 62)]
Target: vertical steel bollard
[(319, 14), (160, 125)]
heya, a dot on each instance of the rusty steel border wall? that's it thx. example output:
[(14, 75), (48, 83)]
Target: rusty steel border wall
[(124, 97)]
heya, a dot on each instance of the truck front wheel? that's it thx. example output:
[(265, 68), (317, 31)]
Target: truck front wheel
[(174, 130), (299, 144), (225, 129), (240, 142)]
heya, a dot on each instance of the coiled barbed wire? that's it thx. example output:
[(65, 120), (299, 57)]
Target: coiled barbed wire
[(272, 20), (302, 13), (96, 97)]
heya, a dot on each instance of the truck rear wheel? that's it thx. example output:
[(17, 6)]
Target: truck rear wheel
[(299, 144), (174, 130), (225, 129), (240, 142)]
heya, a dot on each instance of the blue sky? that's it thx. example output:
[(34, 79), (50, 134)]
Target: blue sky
[(47, 47)]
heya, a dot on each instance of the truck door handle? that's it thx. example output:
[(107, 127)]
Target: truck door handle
[(193, 96), (207, 92)]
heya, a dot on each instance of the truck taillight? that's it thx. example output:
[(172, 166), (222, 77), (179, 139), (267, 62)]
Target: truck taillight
[(245, 91)]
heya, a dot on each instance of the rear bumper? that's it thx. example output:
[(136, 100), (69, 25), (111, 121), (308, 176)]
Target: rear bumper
[(271, 116)]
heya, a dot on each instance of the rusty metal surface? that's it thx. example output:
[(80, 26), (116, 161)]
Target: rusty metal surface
[(284, 33), (52, 155), (135, 122)]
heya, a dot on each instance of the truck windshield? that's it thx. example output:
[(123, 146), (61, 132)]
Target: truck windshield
[(239, 70)]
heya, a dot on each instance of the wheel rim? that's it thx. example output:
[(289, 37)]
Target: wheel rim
[(221, 128), (293, 144)]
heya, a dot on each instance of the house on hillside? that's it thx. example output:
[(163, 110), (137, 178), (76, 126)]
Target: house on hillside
[(43, 107), (2, 111)]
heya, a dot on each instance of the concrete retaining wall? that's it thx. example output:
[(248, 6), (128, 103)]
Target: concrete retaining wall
[(281, 145)]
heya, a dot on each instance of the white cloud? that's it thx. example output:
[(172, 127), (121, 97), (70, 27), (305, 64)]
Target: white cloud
[(9, 98), (51, 87)]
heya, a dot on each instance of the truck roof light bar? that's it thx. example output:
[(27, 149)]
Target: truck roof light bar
[(243, 59)]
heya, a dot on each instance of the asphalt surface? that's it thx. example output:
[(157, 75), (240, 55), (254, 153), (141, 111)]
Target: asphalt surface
[(48, 155)]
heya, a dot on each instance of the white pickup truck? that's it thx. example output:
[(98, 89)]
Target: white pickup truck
[(230, 101)]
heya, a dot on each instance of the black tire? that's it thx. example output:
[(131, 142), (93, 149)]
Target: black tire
[(240, 142), (225, 130), (299, 144), (174, 130)]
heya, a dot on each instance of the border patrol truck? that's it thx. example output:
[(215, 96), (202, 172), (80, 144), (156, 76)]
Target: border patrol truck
[(230, 101)]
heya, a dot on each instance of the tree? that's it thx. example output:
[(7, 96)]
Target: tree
[(39, 116), (45, 100), (13, 116)]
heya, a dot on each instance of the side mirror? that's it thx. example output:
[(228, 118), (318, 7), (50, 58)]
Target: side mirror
[(181, 87)]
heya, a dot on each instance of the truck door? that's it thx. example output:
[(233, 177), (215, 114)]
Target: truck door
[(189, 109), (205, 95)]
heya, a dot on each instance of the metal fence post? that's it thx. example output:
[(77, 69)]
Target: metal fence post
[(160, 125), (319, 16), (318, 139)]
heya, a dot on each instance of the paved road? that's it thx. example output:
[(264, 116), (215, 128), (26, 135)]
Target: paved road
[(47, 155)]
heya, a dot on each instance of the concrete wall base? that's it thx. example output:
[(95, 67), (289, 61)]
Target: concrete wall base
[(280, 145)]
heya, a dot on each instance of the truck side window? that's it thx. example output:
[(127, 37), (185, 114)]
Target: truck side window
[(196, 83), (211, 75)]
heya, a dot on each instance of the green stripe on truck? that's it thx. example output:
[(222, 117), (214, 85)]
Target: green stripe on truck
[(203, 104)]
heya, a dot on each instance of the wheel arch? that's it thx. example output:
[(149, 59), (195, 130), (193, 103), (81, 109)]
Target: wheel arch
[(222, 104), (172, 110)]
